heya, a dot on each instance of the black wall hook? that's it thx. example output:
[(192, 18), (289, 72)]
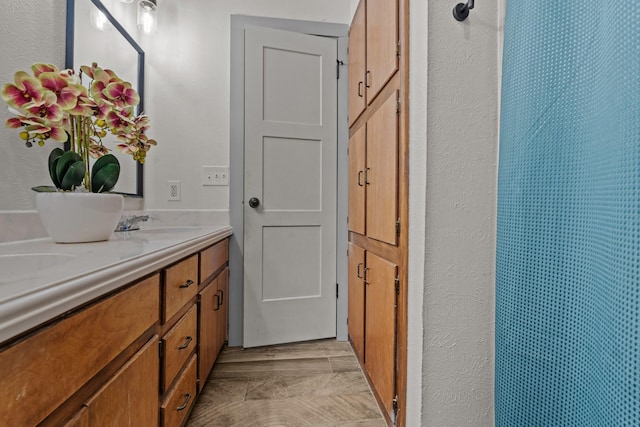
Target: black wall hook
[(461, 11)]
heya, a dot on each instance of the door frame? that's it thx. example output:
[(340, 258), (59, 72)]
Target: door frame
[(236, 173)]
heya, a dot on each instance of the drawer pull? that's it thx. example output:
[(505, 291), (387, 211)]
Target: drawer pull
[(360, 264), (186, 402), (360, 89), (221, 296), (186, 343), (217, 302), (187, 284)]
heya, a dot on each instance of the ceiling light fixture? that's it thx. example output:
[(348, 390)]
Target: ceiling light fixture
[(147, 16)]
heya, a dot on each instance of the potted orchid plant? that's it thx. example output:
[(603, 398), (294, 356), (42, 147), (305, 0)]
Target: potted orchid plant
[(53, 104)]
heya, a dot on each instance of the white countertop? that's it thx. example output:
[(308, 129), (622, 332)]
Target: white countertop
[(40, 279)]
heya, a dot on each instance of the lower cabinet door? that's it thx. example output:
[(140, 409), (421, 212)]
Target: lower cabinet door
[(356, 299), (130, 397), (208, 339), (180, 399), (380, 332), (223, 313)]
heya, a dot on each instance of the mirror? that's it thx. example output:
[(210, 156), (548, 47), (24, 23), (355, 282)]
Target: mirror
[(111, 47)]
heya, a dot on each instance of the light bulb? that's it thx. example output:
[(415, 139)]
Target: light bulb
[(147, 16), (99, 20)]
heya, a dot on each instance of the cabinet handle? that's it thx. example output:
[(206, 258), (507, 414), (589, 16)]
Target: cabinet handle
[(366, 275), (186, 402), (221, 296), (366, 79), (360, 89), (186, 343), (358, 272), (217, 302), (187, 283), (359, 180), (366, 176)]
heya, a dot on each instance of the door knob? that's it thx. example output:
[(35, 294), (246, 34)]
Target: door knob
[(254, 202)]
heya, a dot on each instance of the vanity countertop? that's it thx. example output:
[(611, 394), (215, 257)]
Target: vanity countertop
[(40, 279)]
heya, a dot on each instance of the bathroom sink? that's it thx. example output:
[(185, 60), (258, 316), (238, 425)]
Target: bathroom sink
[(22, 266), (165, 230)]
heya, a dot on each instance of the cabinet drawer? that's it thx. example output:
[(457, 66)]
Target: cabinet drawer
[(179, 401), (180, 285), (211, 259), (178, 344), (63, 357)]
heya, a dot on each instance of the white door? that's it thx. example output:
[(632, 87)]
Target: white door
[(291, 171)]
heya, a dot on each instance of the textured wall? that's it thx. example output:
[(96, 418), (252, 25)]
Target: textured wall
[(30, 31), (459, 264)]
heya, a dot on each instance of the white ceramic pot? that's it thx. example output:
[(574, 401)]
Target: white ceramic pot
[(79, 217)]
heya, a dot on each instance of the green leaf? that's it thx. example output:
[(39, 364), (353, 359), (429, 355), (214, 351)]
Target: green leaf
[(107, 159), (106, 178), (45, 189), (64, 162), (73, 175), (54, 156)]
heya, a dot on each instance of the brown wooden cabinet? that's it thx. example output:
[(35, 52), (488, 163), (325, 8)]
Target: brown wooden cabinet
[(213, 307), (129, 358), (130, 397), (380, 331), (357, 64), (373, 175), (378, 191), (373, 52), (181, 397), (382, 45), (356, 299)]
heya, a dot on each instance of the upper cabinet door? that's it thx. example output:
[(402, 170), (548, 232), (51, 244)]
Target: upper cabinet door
[(382, 44), (357, 67), (382, 172), (357, 180)]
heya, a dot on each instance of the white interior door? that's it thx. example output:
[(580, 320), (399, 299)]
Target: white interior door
[(291, 170)]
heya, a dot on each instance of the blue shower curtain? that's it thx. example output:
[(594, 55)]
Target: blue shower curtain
[(568, 241)]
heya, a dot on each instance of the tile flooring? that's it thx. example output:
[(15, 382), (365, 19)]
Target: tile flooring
[(316, 383)]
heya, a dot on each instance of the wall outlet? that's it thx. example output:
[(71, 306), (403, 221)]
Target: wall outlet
[(215, 175), (173, 190)]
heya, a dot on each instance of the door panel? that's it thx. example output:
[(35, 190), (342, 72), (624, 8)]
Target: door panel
[(130, 398), (382, 174), (357, 187), (357, 58), (356, 298), (382, 44), (291, 168), (380, 326)]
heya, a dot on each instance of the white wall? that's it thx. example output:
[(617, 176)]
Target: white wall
[(188, 91), (457, 113), (30, 31)]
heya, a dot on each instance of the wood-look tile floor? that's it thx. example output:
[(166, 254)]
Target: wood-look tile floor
[(316, 383)]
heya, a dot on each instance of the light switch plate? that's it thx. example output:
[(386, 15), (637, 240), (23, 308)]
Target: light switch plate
[(215, 175)]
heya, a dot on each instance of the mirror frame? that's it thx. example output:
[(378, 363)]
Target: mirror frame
[(69, 52)]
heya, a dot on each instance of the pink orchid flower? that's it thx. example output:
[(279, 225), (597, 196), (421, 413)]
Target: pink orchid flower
[(66, 91), (40, 68), (121, 94), (26, 89), (47, 108)]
